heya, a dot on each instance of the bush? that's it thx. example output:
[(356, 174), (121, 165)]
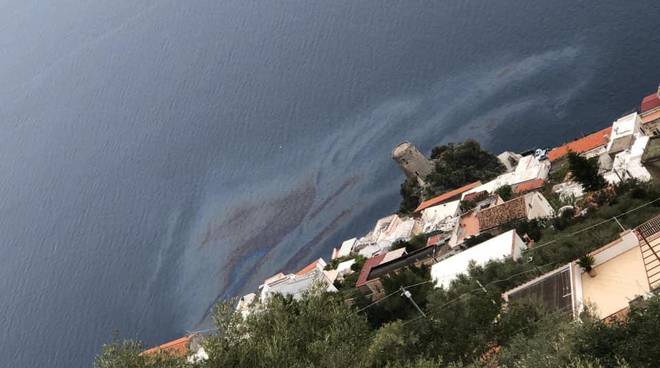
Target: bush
[(505, 192)]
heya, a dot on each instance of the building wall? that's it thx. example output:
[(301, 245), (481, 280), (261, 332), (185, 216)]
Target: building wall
[(617, 281), (413, 163), (537, 206), (620, 143), (518, 246)]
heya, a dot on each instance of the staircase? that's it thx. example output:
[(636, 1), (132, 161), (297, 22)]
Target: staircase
[(649, 242)]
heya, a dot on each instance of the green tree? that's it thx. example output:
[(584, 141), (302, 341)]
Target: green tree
[(126, 354), (319, 330), (410, 196), (549, 346), (633, 340), (585, 171), (460, 164), (392, 343), (121, 354), (462, 322)]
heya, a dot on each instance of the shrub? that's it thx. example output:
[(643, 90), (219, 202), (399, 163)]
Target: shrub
[(505, 192)]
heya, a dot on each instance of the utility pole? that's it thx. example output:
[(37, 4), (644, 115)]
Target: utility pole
[(407, 294)]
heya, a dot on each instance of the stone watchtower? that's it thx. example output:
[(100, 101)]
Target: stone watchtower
[(413, 163)]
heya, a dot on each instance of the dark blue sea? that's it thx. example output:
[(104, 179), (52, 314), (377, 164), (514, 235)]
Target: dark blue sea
[(157, 155)]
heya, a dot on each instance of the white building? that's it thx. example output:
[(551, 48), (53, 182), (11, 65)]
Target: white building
[(387, 231), (528, 168), (344, 268), (623, 133), (627, 164), (311, 276), (370, 250), (506, 245), (509, 160), (442, 217), (345, 249), (296, 285)]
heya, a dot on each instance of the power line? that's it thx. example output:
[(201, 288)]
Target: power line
[(378, 301), (536, 246), (531, 249), (482, 287)]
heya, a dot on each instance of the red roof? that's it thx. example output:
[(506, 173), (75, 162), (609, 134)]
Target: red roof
[(474, 196), (529, 185), (366, 269), (310, 267), (650, 102), (175, 348), (447, 196), (435, 239), (584, 144)]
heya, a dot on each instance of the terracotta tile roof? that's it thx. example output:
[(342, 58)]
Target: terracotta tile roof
[(501, 214), (584, 144), (447, 196), (310, 267), (177, 348), (528, 186), (650, 102), (366, 269)]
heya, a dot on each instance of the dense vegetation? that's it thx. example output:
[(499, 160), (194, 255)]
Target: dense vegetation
[(464, 325), (456, 164)]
